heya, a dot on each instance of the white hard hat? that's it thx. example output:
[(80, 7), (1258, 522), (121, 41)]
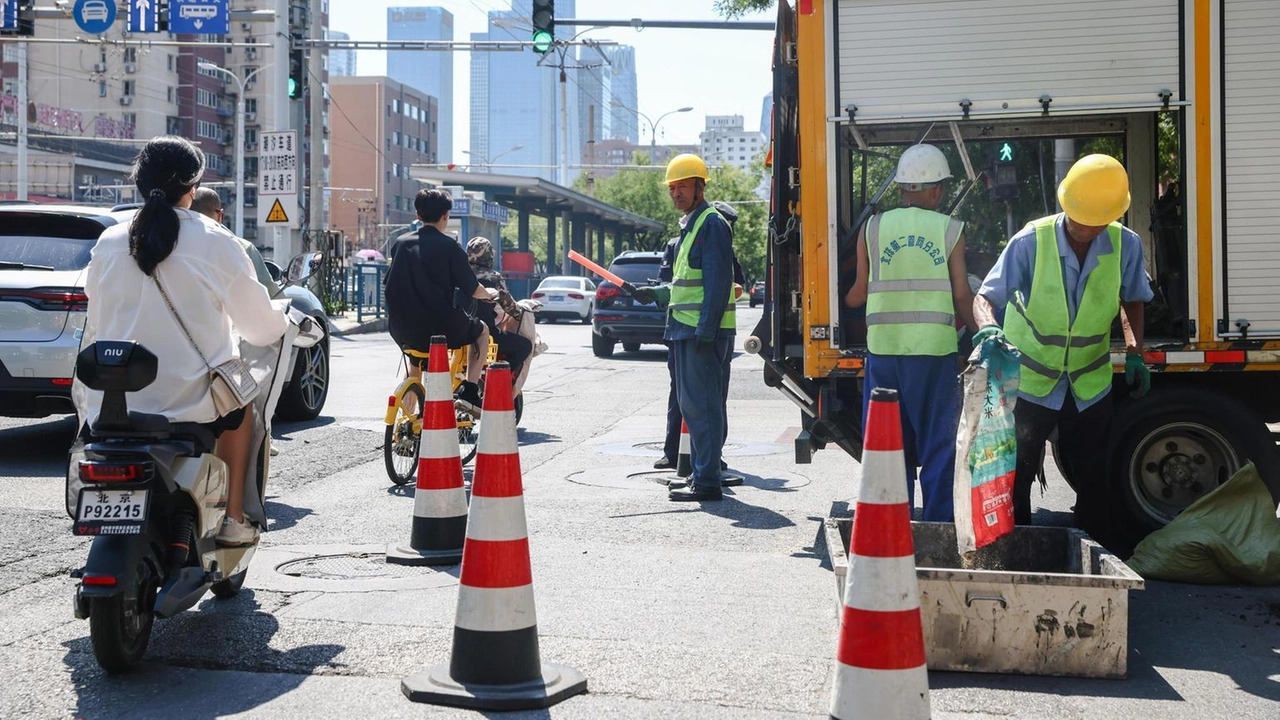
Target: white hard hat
[(921, 165)]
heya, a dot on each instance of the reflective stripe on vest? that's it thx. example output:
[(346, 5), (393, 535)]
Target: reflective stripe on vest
[(910, 310), (1041, 329), (686, 283)]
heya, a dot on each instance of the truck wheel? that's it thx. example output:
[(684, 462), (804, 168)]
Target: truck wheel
[(1177, 446), (602, 346)]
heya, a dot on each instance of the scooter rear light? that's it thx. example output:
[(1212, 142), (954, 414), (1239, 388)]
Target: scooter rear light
[(99, 580), (99, 471)]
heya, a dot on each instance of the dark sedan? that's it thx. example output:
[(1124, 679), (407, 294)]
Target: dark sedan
[(618, 317)]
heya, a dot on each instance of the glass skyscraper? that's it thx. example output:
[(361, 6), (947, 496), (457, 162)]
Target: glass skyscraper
[(607, 83), (516, 102), (427, 71)]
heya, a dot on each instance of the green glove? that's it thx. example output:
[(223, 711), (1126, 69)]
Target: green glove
[(990, 331), (660, 294), (1136, 374)]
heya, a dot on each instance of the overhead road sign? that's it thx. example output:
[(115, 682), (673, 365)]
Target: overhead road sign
[(8, 14), (278, 179), (200, 17), (94, 16), (144, 16)]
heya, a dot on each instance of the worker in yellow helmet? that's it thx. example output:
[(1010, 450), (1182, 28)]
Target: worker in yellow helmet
[(1059, 285), (700, 322)]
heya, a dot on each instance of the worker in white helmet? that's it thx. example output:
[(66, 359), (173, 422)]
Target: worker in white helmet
[(911, 276)]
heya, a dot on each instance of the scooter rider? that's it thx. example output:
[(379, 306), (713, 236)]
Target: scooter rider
[(211, 285)]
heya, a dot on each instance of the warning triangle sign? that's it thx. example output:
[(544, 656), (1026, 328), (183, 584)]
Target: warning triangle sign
[(277, 213)]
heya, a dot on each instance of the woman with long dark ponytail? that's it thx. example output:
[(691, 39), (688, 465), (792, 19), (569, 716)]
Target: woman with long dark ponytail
[(169, 250)]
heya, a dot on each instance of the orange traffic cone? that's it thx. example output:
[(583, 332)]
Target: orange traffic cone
[(439, 502), (495, 663), (684, 462), (880, 659)]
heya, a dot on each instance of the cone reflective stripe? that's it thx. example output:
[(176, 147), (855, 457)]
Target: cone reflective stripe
[(880, 658), (684, 462), (495, 663), (440, 501)]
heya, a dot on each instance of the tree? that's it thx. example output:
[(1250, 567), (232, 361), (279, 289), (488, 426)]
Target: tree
[(732, 9)]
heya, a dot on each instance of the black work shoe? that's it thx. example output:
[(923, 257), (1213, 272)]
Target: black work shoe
[(694, 494), (663, 463), (723, 466), (467, 398), (725, 481)]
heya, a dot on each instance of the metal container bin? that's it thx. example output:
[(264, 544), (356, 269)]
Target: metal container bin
[(1039, 601)]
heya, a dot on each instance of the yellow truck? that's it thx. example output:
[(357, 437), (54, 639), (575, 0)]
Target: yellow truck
[(1184, 92)]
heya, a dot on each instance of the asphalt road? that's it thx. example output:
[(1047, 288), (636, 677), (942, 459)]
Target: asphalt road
[(671, 611)]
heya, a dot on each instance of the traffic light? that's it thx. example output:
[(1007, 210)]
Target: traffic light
[(297, 68), (1004, 176), (544, 26)]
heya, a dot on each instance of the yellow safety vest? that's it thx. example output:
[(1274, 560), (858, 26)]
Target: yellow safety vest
[(686, 283), (910, 310), (1040, 326)]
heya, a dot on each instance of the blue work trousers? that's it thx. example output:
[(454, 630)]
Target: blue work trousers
[(929, 403), (700, 389), (671, 443)]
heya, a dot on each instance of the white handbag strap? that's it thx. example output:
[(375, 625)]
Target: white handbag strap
[(155, 275)]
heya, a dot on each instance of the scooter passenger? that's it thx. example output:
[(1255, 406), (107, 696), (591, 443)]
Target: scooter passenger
[(175, 281)]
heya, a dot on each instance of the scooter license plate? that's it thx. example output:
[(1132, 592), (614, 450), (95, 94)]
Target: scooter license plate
[(111, 512)]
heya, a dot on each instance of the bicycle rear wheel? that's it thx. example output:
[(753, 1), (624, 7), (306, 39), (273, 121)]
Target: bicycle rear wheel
[(400, 446), (468, 436)]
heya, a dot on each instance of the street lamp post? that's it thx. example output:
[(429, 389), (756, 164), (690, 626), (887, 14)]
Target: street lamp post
[(653, 127), (485, 162), (239, 134)]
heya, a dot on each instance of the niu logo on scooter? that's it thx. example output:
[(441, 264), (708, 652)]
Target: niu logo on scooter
[(113, 352)]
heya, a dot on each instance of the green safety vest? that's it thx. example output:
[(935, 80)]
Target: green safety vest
[(686, 283), (910, 310), (1051, 344)]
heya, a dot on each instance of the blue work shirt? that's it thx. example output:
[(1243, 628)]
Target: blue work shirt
[(1012, 273), (712, 253)]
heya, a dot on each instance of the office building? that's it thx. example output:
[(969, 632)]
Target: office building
[(607, 93), (766, 116), (427, 71), (94, 105), (515, 103), (342, 63), (380, 128), (725, 142)]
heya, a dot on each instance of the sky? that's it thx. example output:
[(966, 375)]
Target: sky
[(718, 72)]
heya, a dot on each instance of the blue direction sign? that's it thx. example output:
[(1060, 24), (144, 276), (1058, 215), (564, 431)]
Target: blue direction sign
[(8, 14), (144, 16), (95, 16), (199, 17)]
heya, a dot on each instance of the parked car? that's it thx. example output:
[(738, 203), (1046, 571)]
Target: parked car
[(757, 294), (566, 296), (619, 318), (44, 250)]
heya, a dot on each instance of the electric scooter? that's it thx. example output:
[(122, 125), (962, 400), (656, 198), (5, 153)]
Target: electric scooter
[(153, 495)]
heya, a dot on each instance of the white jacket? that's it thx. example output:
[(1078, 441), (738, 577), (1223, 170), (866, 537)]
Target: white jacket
[(212, 285)]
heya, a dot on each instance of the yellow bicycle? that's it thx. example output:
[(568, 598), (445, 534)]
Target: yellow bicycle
[(404, 417)]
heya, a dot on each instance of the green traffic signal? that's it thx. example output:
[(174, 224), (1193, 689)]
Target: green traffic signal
[(1006, 153), (542, 41), (293, 88)]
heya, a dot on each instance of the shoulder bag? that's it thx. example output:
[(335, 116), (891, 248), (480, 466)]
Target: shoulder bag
[(230, 384)]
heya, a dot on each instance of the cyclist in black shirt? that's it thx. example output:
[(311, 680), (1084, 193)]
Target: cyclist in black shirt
[(424, 276)]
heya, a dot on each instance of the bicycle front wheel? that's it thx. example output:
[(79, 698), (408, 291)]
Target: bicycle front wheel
[(400, 446)]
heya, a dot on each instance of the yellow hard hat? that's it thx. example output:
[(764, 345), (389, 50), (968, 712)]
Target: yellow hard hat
[(684, 166), (1095, 191)]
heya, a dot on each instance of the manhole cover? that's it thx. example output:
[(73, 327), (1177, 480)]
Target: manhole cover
[(654, 449), (363, 566), (638, 478)]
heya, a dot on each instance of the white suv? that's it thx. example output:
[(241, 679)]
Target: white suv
[(44, 250)]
